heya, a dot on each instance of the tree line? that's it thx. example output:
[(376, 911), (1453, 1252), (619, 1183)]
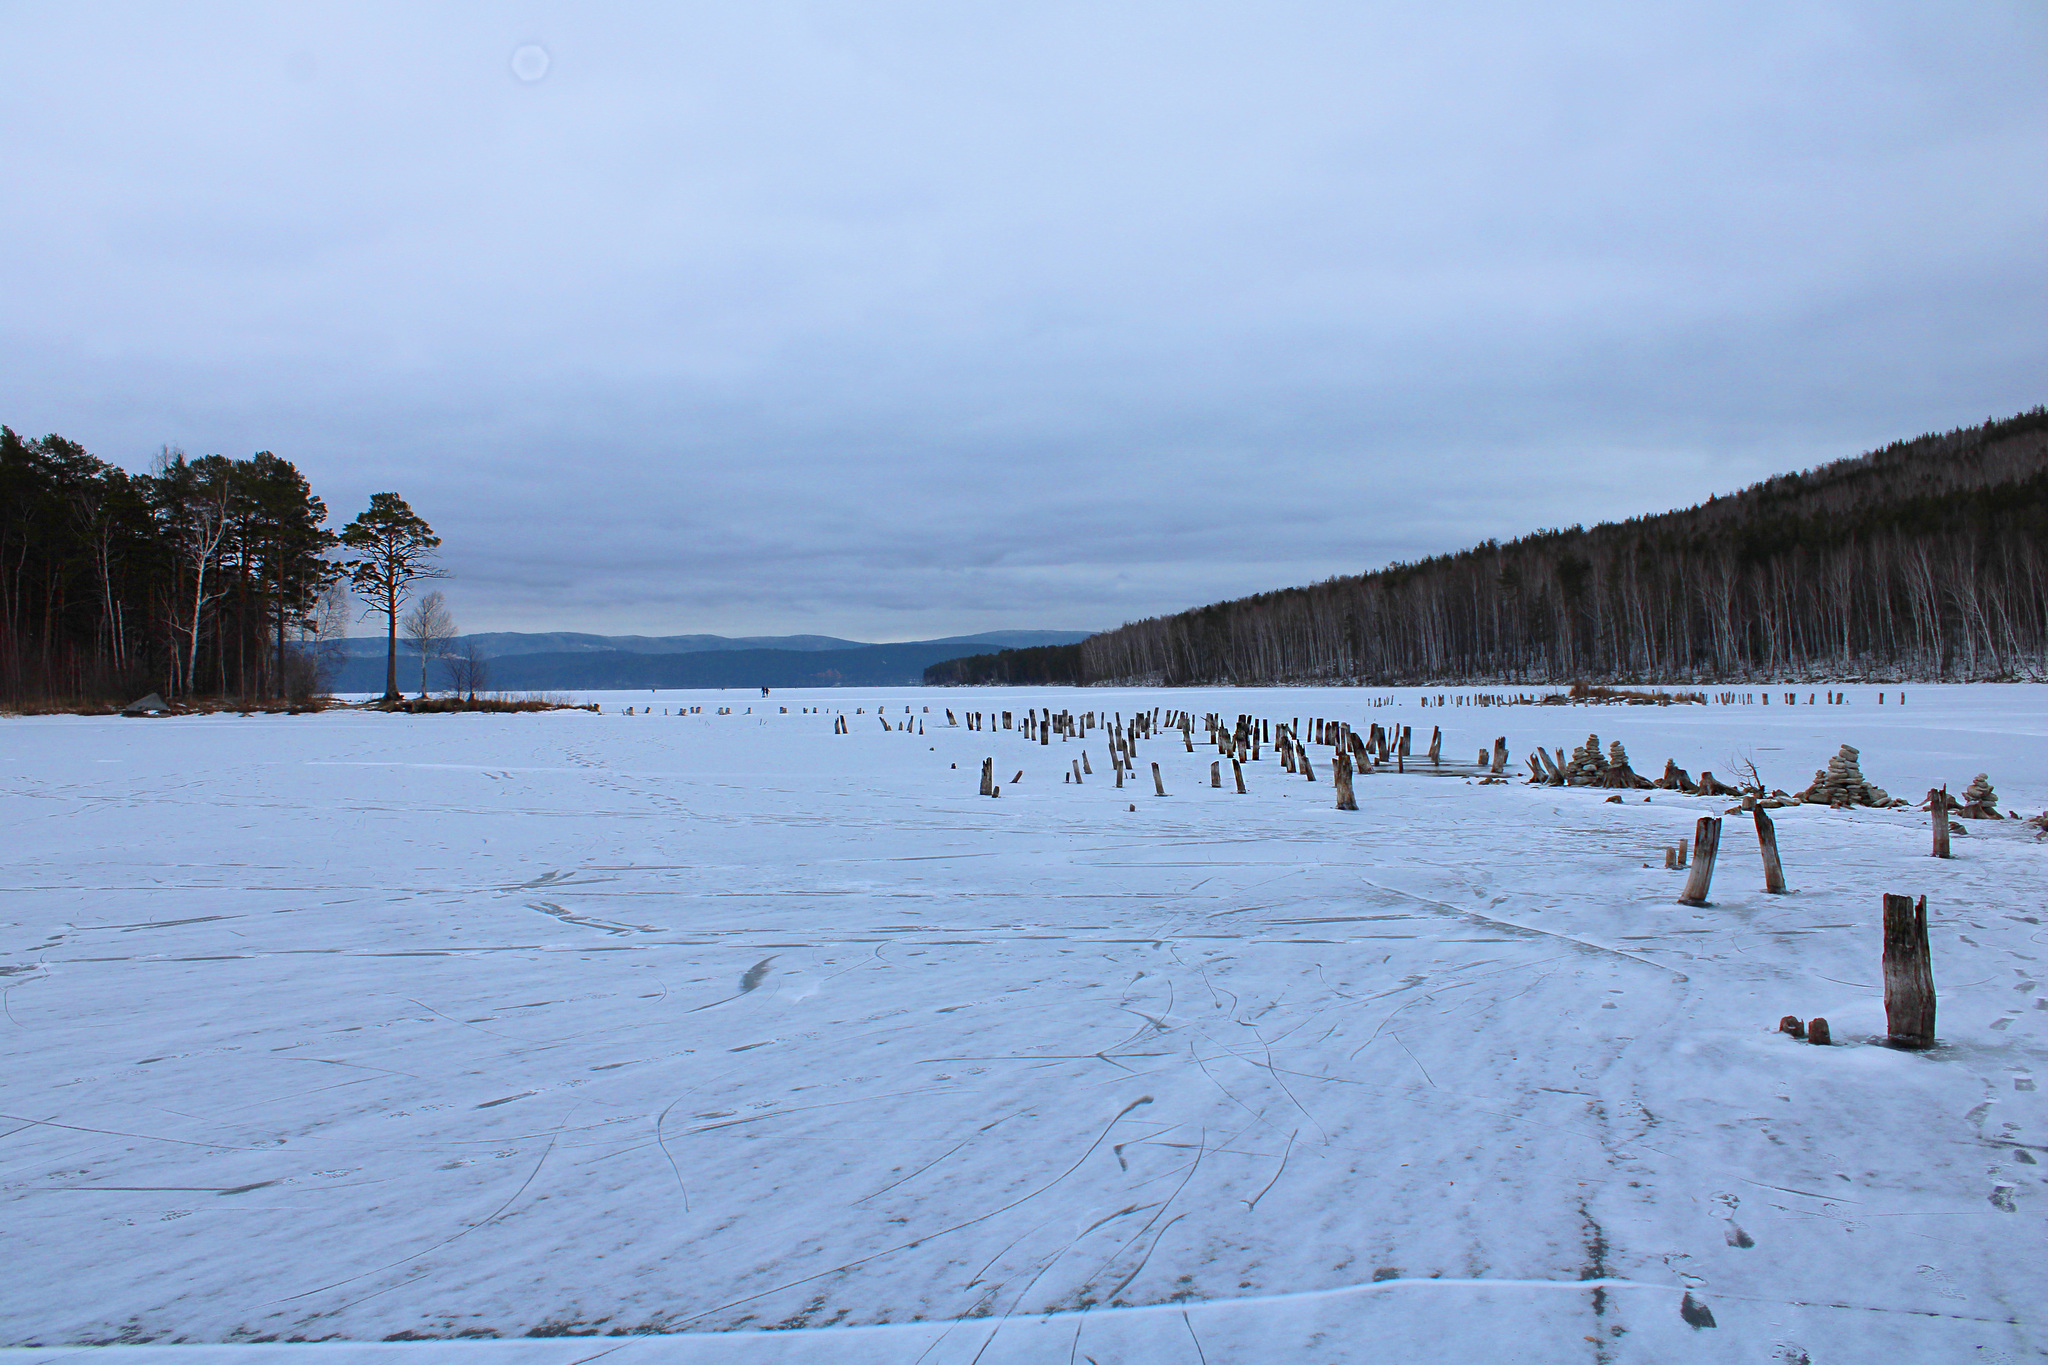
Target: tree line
[(205, 576), (1926, 560)]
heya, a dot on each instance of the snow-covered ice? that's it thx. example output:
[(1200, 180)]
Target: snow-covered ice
[(780, 1045)]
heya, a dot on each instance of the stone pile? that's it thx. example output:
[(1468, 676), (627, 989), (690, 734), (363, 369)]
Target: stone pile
[(1618, 773), (1842, 784), (1979, 801), (1587, 766)]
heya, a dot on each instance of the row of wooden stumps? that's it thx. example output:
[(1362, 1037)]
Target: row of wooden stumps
[(1707, 844), (1909, 1001), (1706, 848)]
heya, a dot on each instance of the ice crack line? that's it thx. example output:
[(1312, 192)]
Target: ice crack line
[(1488, 920)]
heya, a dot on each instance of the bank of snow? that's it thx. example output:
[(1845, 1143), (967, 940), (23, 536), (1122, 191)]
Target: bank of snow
[(357, 1025)]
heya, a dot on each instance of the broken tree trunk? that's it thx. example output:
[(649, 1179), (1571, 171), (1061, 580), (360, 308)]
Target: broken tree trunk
[(1767, 842), (1340, 770), (1709, 786), (1500, 756), (1908, 974), (1937, 802), (988, 776), (1706, 843)]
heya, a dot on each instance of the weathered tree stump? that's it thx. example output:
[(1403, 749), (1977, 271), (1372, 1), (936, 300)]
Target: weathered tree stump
[(1817, 1032), (1938, 802), (1340, 769), (988, 776), (1158, 783), (1908, 974), (1670, 858), (1767, 842), (1684, 854), (1216, 773), (1306, 771), (1706, 843), (1790, 1024), (1237, 771), (1500, 756)]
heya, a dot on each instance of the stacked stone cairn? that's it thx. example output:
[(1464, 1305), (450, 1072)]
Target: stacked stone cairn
[(1618, 773), (1587, 767), (1979, 801), (1841, 784)]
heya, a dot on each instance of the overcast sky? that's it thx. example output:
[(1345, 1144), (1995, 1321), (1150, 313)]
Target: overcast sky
[(894, 321)]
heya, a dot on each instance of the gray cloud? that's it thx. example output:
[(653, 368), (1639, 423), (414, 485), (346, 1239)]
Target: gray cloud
[(896, 321)]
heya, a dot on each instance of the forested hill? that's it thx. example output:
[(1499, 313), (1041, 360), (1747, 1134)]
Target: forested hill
[(1926, 559)]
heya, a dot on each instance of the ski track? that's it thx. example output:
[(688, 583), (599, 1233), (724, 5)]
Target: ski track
[(345, 1027)]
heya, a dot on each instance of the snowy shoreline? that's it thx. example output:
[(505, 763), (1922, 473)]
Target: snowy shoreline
[(692, 1026)]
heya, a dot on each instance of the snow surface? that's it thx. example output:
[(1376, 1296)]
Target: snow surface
[(790, 1047)]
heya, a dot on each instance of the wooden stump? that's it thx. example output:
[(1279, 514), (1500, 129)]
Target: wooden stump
[(1908, 974), (1237, 771), (1077, 772), (1306, 770), (1340, 768), (1817, 1032), (1436, 744), (1670, 858), (1706, 843), (1216, 773), (1767, 841), (1084, 764), (1937, 802), (988, 776), (1500, 756), (1790, 1024), (1158, 783)]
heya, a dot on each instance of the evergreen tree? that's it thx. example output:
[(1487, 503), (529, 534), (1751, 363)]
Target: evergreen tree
[(393, 549)]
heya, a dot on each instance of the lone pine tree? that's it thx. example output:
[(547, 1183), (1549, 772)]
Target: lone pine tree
[(393, 549)]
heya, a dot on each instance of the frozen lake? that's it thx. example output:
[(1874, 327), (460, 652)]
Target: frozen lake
[(786, 1046)]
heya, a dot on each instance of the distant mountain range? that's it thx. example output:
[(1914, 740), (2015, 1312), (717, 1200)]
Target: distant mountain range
[(572, 662)]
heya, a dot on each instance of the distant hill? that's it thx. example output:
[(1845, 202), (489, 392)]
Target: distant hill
[(498, 644), (1927, 559), (613, 664)]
